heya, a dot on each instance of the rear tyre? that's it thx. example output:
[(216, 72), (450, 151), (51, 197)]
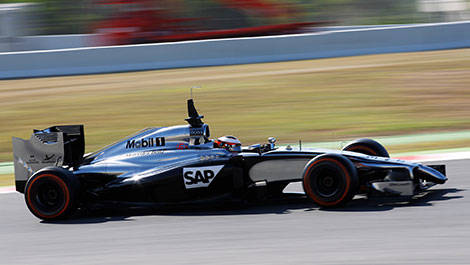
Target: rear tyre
[(367, 147), (330, 180), (52, 193)]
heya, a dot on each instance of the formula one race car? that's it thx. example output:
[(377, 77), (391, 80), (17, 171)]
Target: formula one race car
[(180, 164)]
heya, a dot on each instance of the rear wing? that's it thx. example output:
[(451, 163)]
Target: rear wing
[(54, 146)]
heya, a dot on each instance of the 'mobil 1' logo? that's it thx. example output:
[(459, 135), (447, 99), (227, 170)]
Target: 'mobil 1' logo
[(149, 142)]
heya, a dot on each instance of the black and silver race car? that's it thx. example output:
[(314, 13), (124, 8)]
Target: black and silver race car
[(181, 164)]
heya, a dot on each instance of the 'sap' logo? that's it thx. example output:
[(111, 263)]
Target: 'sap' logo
[(198, 177)]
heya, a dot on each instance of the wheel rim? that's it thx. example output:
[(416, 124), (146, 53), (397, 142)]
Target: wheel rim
[(48, 197), (328, 183)]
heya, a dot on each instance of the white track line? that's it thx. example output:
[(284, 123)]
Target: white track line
[(437, 157), (8, 189)]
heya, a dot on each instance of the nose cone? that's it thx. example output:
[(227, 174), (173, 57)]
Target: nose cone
[(431, 174)]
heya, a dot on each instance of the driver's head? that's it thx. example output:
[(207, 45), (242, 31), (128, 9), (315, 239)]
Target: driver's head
[(231, 143)]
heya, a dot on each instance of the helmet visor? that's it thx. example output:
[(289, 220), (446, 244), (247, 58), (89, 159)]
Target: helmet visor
[(236, 148)]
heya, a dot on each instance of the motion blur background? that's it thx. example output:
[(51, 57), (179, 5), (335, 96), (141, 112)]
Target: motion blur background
[(354, 69), (422, 96), (52, 17), (80, 16)]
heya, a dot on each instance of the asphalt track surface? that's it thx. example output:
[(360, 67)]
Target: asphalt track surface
[(430, 229)]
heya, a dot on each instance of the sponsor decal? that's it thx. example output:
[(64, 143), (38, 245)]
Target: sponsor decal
[(144, 153), (48, 157), (209, 157), (149, 142), (32, 160), (199, 177), (51, 159), (182, 146), (196, 131)]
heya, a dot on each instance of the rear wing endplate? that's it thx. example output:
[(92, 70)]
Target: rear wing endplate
[(55, 146)]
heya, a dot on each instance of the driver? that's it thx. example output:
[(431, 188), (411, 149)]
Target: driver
[(230, 143)]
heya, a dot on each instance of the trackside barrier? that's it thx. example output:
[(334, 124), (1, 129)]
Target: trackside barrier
[(324, 44)]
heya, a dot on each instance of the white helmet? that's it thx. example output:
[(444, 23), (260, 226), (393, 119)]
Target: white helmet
[(231, 143)]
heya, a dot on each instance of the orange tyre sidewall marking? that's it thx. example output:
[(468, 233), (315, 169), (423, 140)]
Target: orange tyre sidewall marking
[(362, 147), (309, 189), (64, 189)]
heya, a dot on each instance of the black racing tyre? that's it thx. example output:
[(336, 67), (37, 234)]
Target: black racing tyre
[(52, 193), (367, 147), (330, 180)]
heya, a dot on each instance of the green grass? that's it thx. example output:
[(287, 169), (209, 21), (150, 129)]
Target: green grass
[(7, 180), (315, 100)]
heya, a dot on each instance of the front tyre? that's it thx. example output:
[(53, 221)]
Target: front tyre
[(330, 180), (52, 193), (367, 147)]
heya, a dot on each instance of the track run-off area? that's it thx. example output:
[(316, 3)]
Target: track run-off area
[(313, 100), (433, 228), (320, 100)]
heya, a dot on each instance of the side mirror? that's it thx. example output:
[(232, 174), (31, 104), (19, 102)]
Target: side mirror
[(271, 141)]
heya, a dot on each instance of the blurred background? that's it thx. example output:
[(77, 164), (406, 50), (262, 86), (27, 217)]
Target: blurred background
[(421, 99), (116, 22), (406, 86)]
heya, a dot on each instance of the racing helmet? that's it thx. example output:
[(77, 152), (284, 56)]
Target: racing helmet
[(231, 143)]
